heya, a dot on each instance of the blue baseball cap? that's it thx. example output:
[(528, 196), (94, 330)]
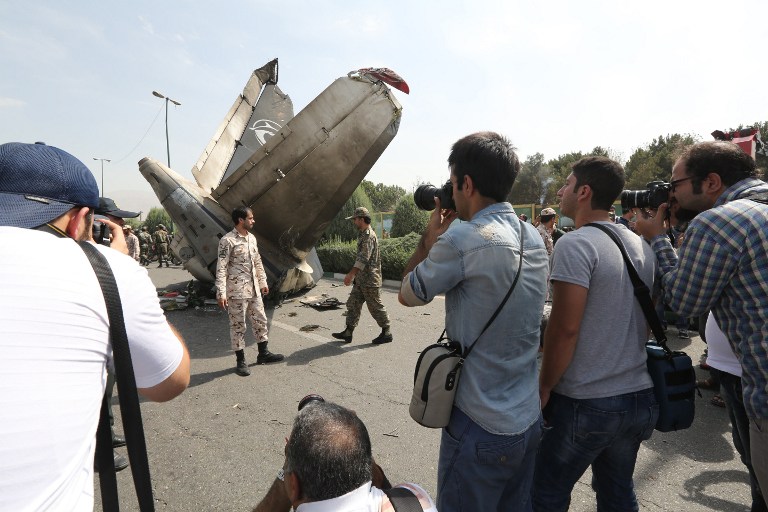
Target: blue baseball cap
[(39, 183)]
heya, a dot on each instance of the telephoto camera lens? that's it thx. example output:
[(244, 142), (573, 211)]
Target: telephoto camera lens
[(309, 399), (424, 197), (655, 194)]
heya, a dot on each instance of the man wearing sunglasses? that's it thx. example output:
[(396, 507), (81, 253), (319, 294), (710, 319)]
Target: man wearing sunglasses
[(722, 263)]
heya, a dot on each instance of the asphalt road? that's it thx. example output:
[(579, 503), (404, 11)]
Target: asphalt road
[(219, 445)]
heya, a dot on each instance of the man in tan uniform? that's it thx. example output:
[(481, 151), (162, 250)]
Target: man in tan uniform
[(240, 282), (366, 274)]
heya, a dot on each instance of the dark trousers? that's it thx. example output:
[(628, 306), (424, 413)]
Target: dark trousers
[(730, 386)]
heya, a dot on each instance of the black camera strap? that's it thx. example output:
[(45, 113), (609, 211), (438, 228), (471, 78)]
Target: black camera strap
[(129, 400), (403, 500), (642, 293), (506, 297)]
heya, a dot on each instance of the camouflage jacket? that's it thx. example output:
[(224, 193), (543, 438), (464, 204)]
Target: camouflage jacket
[(161, 236), (368, 259), (132, 242), (145, 238), (239, 267), (546, 237)]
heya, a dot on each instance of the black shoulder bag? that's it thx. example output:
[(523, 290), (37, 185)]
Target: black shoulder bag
[(674, 379), (436, 377), (129, 400)]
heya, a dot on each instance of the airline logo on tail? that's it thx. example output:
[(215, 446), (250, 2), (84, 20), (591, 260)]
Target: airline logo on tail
[(263, 129)]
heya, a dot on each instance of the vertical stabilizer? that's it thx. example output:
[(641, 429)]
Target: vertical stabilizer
[(213, 163), (273, 109)]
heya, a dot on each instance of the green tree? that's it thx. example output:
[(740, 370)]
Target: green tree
[(135, 223), (158, 216), (383, 197), (535, 183), (408, 218), (655, 161), (340, 227)]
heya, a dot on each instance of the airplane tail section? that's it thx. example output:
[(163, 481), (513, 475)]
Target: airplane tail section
[(315, 162), (255, 116)]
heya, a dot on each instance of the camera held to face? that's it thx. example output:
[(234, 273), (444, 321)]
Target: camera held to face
[(655, 194), (424, 197)]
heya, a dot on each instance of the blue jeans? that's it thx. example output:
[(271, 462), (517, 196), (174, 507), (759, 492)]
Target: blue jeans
[(730, 386), (602, 432), (483, 471)]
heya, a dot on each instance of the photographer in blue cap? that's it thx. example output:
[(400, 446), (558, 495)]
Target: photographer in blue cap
[(54, 330)]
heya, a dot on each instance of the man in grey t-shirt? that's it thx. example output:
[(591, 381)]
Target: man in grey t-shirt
[(596, 394)]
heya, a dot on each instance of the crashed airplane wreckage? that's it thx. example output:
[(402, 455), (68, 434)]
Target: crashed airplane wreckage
[(295, 173)]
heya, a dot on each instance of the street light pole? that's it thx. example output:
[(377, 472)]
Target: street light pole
[(167, 143), (102, 172)]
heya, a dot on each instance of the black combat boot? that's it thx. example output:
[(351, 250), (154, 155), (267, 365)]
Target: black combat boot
[(345, 335), (384, 337), (242, 367), (265, 356)]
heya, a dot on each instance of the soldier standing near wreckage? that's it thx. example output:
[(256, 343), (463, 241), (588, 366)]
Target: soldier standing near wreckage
[(366, 274), (240, 281)]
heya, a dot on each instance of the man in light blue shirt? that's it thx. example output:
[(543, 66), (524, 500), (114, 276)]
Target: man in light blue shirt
[(488, 449)]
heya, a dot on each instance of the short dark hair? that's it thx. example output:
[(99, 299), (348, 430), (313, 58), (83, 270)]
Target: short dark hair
[(329, 450), (489, 159), (241, 212), (723, 158), (604, 176), (367, 219)]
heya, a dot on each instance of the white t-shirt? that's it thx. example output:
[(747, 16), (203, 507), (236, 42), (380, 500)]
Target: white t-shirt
[(53, 354), (367, 498), (720, 354)]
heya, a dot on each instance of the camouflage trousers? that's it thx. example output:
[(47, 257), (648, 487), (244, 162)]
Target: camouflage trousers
[(144, 253), (241, 309), (370, 296), (162, 253)]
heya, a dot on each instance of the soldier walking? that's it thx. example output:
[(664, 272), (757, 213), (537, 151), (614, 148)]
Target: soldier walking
[(240, 283), (145, 242), (366, 274), (161, 245)]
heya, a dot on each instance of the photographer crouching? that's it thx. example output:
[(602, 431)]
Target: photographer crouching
[(329, 466)]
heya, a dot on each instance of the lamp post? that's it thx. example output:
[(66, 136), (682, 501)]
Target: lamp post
[(102, 172), (167, 144)]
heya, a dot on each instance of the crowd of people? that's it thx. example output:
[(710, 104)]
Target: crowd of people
[(519, 437)]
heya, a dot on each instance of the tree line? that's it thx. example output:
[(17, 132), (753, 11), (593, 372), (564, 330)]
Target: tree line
[(539, 180)]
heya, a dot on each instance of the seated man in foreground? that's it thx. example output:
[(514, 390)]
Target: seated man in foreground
[(329, 466)]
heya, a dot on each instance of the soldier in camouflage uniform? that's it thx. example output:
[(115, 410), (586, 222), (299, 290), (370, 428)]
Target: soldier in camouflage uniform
[(240, 281), (161, 245), (366, 274), (145, 241)]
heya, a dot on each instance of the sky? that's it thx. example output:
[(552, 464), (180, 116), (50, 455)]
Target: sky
[(554, 77)]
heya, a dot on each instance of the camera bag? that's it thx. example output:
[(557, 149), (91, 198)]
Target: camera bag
[(438, 369), (674, 379)]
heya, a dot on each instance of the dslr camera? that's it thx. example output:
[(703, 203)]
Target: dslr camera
[(424, 197), (655, 194)]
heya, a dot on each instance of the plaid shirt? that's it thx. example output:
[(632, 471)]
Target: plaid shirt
[(723, 266)]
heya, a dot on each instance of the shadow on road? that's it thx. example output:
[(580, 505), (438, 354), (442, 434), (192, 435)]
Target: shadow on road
[(696, 488)]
